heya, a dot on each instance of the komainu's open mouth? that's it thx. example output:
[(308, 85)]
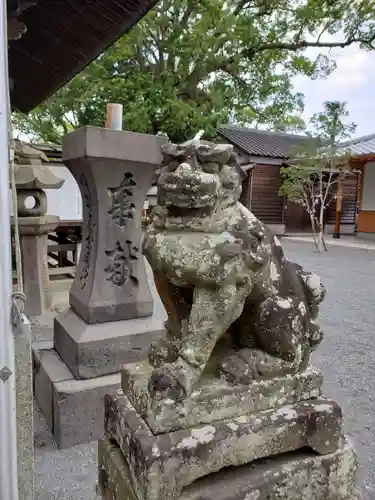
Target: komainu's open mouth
[(188, 195), (174, 211)]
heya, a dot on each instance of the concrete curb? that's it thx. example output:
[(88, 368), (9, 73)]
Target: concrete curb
[(362, 245)]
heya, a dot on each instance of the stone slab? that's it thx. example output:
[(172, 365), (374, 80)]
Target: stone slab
[(78, 409), (186, 455), (103, 348), (294, 476), (73, 409), (48, 368), (214, 399)]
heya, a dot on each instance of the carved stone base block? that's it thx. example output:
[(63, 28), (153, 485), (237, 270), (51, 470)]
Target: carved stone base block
[(73, 409), (214, 399), (292, 476), (103, 348), (160, 466)]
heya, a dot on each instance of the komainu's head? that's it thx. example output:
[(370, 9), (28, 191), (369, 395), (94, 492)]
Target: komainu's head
[(198, 176)]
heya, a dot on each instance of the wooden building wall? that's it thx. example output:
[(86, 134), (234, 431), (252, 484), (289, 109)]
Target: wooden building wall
[(245, 198), (366, 218), (350, 189), (260, 193)]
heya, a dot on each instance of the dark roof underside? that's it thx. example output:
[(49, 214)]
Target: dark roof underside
[(255, 142), (62, 38)]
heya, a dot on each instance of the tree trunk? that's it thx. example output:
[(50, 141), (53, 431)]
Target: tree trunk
[(324, 242), (321, 228), (316, 241), (321, 222)]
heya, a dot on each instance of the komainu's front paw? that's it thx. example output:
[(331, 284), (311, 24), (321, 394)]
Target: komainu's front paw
[(247, 365), (163, 381), (161, 352)]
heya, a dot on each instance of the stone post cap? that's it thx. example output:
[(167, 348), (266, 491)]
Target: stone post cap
[(96, 142)]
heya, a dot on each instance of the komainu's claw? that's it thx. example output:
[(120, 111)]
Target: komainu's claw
[(163, 381), (161, 352)]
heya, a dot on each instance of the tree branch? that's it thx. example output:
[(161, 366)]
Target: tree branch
[(241, 4), (156, 41), (179, 27), (324, 29), (303, 44), (243, 83), (199, 73), (264, 9), (186, 16), (140, 58)]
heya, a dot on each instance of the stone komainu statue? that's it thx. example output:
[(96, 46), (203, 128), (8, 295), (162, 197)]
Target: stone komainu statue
[(234, 303)]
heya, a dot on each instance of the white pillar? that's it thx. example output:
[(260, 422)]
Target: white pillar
[(8, 428)]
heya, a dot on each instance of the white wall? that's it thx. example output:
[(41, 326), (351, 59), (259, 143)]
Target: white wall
[(368, 195), (65, 202)]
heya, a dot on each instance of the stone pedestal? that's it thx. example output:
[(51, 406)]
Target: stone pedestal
[(34, 240), (280, 438), (295, 476), (101, 349), (110, 320)]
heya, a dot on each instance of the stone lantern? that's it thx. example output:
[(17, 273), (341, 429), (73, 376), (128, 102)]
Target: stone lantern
[(32, 177)]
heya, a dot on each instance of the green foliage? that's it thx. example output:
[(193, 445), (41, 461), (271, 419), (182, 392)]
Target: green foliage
[(331, 128), (297, 184), (190, 65)]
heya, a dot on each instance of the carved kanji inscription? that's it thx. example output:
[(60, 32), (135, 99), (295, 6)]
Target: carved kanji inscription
[(123, 207), (90, 227), (121, 268)]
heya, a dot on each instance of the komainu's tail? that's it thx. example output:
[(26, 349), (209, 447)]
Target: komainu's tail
[(315, 293), (314, 288)]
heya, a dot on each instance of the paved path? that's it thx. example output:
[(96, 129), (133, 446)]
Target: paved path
[(347, 357)]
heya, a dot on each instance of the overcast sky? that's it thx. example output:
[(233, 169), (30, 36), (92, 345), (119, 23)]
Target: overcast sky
[(353, 81)]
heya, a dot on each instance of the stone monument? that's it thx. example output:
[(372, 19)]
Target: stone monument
[(227, 406), (32, 176), (110, 320)]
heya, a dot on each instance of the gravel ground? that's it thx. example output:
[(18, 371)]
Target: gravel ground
[(347, 357)]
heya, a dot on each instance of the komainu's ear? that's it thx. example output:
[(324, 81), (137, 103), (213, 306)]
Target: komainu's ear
[(241, 172), (156, 175), (179, 152), (218, 153), (233, 161)]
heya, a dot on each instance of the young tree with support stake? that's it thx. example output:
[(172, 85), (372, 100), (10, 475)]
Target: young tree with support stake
[(321, 165)]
